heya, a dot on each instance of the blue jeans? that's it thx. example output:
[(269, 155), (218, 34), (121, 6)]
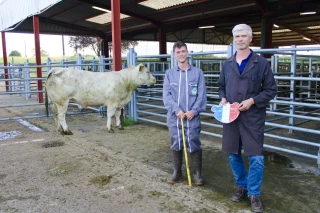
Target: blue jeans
[(249, 180)]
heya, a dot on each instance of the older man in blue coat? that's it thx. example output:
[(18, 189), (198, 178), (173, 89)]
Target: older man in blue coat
[(246, 78)]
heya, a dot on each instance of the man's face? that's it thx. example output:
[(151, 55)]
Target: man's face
[(181, 54), (242, 39)]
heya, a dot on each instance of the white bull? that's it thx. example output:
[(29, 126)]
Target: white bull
[(110, 89)]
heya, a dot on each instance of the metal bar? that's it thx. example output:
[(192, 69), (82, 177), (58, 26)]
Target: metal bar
[(36, 29)]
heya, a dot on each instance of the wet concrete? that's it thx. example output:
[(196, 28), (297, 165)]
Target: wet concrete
[(284, 188), (9, 134), (30, 126), (12, 134)]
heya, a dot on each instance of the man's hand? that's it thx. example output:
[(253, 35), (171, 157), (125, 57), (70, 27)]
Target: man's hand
[(246, 104), (181, 114), (223, 101), (189, 115)]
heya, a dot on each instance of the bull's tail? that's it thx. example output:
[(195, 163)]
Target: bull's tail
[(46, 103)]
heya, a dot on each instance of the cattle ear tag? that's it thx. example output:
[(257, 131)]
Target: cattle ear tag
[(226, 113)]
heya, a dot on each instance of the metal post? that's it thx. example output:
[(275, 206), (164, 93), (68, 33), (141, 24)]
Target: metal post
[(116, 35), (230, 51), (101, 66), (27, 85), (79, 62), (48, 65), (134, 95), (62, 63), (191, 59), (292, 86), (36, 32), (132, 106), (276, 64), (93, 67), (20, 77), (274, 59), (128, 57), (79, 67), (5, 60), (273, 63), (309, 82), (10, 76), (173, 61), (318, 169), (102, 109)]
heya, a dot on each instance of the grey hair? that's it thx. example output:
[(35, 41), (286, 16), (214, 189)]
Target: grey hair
[(242, 27)]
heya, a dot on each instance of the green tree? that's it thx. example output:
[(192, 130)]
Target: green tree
[(43, 52), (80, 42), (15, 53)]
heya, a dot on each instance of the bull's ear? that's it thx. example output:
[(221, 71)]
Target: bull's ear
[(141, 66)]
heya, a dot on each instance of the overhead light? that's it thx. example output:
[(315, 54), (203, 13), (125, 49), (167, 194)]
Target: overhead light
[(275, 25), (274, 31), (206, 27), (157, 5), (305, 38), (102, 9), (313, 27), (307, 13)]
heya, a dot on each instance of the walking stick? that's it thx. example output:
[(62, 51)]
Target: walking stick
[(185, 153)]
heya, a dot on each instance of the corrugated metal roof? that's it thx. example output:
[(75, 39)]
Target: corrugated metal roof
[(104, 18), (180, 20), (14, 11), (156, 4)]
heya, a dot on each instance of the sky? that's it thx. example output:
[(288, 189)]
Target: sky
[(52, 44), (24, 43)]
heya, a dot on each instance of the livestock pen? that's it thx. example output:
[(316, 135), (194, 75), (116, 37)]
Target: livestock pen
[(293, 118)]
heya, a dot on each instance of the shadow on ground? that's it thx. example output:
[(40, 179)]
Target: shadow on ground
[(288, 186)]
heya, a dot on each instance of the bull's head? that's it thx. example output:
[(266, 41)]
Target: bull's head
[(145, 76)]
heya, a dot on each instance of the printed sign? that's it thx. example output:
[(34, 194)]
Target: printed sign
[(226, 113)]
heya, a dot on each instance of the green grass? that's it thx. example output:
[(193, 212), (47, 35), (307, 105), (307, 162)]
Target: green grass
[(128, 122), (100, 180), (22, 60)]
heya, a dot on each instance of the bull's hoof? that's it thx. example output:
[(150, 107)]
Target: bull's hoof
[(110, 131), (68, 132), (120, 128)]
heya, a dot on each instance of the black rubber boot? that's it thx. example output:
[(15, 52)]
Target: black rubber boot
[(177, 163), (196, 158)]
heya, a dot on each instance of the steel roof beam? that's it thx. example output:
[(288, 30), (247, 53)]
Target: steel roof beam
[(72, 26), (307, 35), (107, 7)]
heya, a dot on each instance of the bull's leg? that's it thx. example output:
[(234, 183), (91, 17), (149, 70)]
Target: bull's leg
[(56, 119), (55, 115), (118, 122), (110, 114), (61, 117)]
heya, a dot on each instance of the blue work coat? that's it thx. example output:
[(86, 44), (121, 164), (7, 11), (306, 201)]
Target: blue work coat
[(186, 91), (257, 82)]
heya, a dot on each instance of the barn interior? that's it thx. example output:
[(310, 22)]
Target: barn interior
[(292, 127), (274, 22)]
